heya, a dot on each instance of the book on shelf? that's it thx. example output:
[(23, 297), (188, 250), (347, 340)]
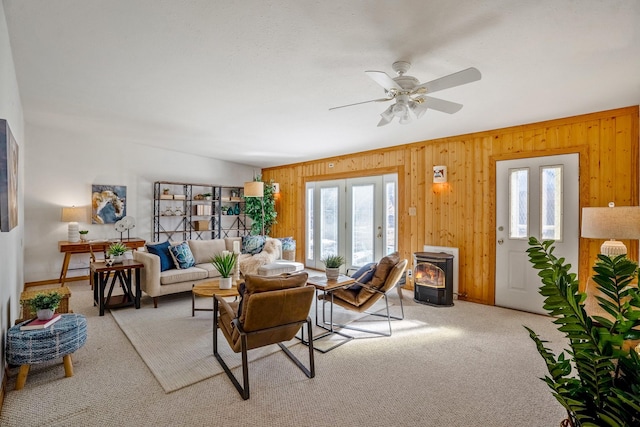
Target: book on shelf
[(40, 324)]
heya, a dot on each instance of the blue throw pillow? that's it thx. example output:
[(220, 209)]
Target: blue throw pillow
[(162, 251), (364, 275), (253, 244), (182, 255)]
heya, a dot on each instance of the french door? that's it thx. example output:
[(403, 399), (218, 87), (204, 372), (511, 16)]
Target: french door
[(355, 218)]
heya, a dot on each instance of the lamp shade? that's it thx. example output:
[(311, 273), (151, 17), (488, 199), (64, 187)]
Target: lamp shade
[(621, 222), (611, 223), (254, 189), (73, 214)]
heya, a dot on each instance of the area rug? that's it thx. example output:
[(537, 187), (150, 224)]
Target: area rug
[(178, 348)]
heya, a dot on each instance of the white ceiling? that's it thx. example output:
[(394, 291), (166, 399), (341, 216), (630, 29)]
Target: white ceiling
[(252, 81)]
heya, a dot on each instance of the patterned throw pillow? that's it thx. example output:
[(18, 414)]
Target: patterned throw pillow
[(253, 244), (182, 256), (288, 244), (162, 251)]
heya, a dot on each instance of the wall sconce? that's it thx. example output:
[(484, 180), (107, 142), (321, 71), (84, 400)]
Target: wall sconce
[(276, 188), (72, 215), (611, 223), (439, 174)]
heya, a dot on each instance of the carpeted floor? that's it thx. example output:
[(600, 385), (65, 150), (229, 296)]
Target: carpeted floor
[(177, 347), (467, 365)]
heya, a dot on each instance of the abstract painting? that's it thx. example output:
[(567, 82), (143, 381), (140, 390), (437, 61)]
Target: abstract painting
[(8, 178), (108, 203)]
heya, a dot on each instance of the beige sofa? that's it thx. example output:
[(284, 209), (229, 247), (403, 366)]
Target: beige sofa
[(156, 283)]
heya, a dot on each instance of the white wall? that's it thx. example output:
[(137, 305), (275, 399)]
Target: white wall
[(60, 169), (11, 253)]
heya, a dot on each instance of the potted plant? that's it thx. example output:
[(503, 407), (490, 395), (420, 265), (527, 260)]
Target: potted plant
[(332, 264), (207, 196), (45, 304), (116, 251), (225, 262), (165, 191), (83, 235), (605, 387)]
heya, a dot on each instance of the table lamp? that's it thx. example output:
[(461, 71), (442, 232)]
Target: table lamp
[(72, 215), (611, 223), (256, 189)]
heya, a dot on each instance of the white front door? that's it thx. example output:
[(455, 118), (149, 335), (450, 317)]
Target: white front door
[(536, 197)]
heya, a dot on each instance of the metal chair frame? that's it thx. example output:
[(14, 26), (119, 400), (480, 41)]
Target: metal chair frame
[(243, 389)]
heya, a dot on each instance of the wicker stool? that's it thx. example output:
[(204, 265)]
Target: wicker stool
[(61, 339)]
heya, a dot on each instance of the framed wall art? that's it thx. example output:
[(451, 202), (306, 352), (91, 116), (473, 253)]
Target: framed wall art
[(8, 178), (108, 203)]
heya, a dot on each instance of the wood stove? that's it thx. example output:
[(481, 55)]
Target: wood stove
[(433, 278)]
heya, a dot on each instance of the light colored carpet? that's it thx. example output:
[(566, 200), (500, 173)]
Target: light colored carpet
[(468, 365), (177, 347)]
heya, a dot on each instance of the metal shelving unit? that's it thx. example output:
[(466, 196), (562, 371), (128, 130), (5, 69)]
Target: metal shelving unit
[(192, 216)]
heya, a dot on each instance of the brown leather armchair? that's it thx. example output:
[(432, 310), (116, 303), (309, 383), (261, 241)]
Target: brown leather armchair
[(360, 297), (271, 311)]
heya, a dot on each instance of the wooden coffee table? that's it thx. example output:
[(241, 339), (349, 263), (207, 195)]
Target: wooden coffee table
[(209, 290)]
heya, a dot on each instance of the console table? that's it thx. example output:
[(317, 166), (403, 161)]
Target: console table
[(70, 248)]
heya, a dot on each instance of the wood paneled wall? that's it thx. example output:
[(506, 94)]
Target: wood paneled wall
[(461, 213)]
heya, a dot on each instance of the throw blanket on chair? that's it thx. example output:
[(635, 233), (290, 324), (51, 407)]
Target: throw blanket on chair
[(249, 264)]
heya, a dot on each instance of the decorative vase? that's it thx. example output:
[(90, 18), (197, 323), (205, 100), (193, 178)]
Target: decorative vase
[(225, 282), (230, 211), (236, 210), (45, 314), (332, 272)]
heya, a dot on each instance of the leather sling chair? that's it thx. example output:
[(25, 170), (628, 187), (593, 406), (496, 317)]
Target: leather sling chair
[(360, 297), (271, 311)]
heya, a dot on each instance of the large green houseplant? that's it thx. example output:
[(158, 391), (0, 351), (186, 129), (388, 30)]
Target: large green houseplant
[(254, 209), (604, 390)]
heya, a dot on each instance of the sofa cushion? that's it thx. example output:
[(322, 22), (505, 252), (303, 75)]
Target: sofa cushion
[(212, 272), (253, 244), (204, 250), (162, 251), (182, 256), (184, 275)]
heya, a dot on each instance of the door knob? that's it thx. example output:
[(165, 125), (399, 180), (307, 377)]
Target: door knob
[(500, 241)]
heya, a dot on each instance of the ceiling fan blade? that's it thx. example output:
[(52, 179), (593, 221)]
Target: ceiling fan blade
[(456, 79), (383, 122), (440, 105), (384, 80), (363, 102)]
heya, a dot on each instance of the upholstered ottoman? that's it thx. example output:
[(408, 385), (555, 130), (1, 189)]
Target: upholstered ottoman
[(280, 266), (59, 340)]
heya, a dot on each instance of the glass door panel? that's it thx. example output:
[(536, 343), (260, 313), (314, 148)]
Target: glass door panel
[(551, 202)]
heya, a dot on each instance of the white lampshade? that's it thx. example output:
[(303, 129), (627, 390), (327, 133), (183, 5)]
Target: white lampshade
[(72, 215), (254, 189), (611, 223)]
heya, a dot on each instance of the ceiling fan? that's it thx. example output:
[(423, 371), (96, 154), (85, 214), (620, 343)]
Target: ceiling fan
[(411, 100)]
